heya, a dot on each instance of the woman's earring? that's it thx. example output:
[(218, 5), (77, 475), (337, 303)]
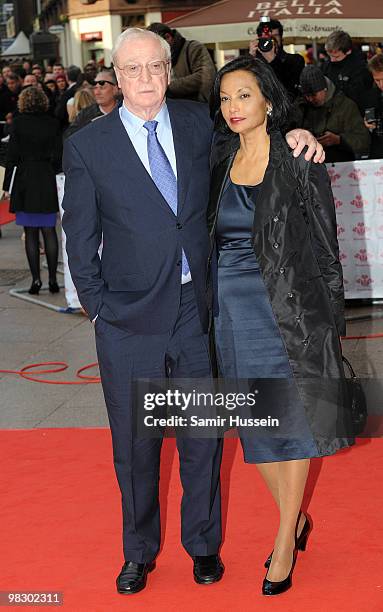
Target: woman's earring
[(269, 111)]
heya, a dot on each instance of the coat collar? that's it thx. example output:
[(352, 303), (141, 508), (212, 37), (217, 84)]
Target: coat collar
[(278, 150)]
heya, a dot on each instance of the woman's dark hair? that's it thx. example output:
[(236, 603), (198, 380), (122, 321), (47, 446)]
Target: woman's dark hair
[(271, 89)]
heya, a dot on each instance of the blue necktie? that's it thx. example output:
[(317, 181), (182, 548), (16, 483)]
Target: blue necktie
[(163, 175)]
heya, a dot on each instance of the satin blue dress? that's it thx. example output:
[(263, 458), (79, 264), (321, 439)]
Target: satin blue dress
[(248, 341)]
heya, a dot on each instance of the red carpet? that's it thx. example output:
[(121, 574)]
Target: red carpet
[(5, 215), (60, 530)]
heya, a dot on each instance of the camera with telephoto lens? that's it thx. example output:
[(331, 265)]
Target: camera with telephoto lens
[(265, 40)]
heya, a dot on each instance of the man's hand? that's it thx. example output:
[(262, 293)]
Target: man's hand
[(329, 139), (269, 55), (298, 139), (370, 125)]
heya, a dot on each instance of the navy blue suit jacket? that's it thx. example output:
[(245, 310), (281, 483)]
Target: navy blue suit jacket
[(109, 193)]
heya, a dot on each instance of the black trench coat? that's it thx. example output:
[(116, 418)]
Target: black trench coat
[(295, 243), (35, 148)]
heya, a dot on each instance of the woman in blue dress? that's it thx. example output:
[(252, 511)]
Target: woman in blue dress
[(278, 295)]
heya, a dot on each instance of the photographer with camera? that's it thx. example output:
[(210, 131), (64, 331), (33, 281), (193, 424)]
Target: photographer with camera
[(269, 47), (372, 105)]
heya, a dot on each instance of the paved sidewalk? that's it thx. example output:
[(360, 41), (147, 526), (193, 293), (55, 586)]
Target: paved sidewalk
[(32, 334)]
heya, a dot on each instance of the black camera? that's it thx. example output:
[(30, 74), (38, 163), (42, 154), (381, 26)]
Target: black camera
[(265, 44), (265, 40)]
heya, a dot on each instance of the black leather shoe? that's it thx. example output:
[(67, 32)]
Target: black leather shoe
[(276, 588), (208, 569), (35, 287), (132, 578), (300, 541)]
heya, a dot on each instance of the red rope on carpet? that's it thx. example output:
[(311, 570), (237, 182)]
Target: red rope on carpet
[(29, 373)]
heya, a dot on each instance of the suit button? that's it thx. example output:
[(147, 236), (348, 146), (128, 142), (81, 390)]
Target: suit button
[(298, 319), (179, 226), (179, 263), (305, 342), (276, 245), (281, 270), (290, 294), (276, 219)]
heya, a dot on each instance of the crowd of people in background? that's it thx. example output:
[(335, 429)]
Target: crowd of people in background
[(338, 96)]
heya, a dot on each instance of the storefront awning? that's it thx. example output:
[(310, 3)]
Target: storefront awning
[(19, 48), (237, 20)]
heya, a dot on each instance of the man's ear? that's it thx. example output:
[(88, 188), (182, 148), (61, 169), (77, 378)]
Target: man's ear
[(348, 52), (117, 77)]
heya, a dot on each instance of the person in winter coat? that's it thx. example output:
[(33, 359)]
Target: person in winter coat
[(33, 158), (277, 295), (371, 103), (193, 70), (332, 117), (346, 68)]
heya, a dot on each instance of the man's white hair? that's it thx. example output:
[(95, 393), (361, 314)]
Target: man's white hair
[(131, 33)]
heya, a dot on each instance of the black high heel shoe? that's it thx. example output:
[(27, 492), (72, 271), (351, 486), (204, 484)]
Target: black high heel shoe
[(276, 588), (35, 287), (300, 541), (53, 287)]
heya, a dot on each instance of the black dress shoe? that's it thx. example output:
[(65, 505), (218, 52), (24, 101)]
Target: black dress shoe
[(53, 287), (300, 541), (132, 578), (208, 569), (35, 287)]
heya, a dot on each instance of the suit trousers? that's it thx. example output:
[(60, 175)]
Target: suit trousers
[(179, 353)]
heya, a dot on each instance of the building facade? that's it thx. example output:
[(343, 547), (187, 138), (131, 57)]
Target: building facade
[(87, 28), (15, 16)]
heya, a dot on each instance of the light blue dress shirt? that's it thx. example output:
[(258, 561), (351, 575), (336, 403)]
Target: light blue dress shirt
[(138, 135)]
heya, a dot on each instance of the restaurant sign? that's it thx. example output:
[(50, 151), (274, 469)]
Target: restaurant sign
[(297, 8)]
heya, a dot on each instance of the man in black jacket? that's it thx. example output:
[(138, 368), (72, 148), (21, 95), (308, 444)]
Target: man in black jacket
[(6, 104), (346, 68), (287, 66), (73, 74), (371, 104)]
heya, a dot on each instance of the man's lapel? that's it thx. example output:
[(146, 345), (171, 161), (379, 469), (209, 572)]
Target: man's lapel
[(132, 170), (182, 128)]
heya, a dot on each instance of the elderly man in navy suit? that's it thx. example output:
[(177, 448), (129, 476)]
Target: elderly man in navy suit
[(139, 177)]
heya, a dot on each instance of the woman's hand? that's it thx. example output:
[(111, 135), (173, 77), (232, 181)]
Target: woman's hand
[(298, 139), (5, 195)]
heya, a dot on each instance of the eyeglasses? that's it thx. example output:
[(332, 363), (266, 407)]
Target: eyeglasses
[(102, 83), (155, 68)]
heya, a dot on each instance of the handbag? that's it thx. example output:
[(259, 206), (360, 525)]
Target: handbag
[(355, 399)]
